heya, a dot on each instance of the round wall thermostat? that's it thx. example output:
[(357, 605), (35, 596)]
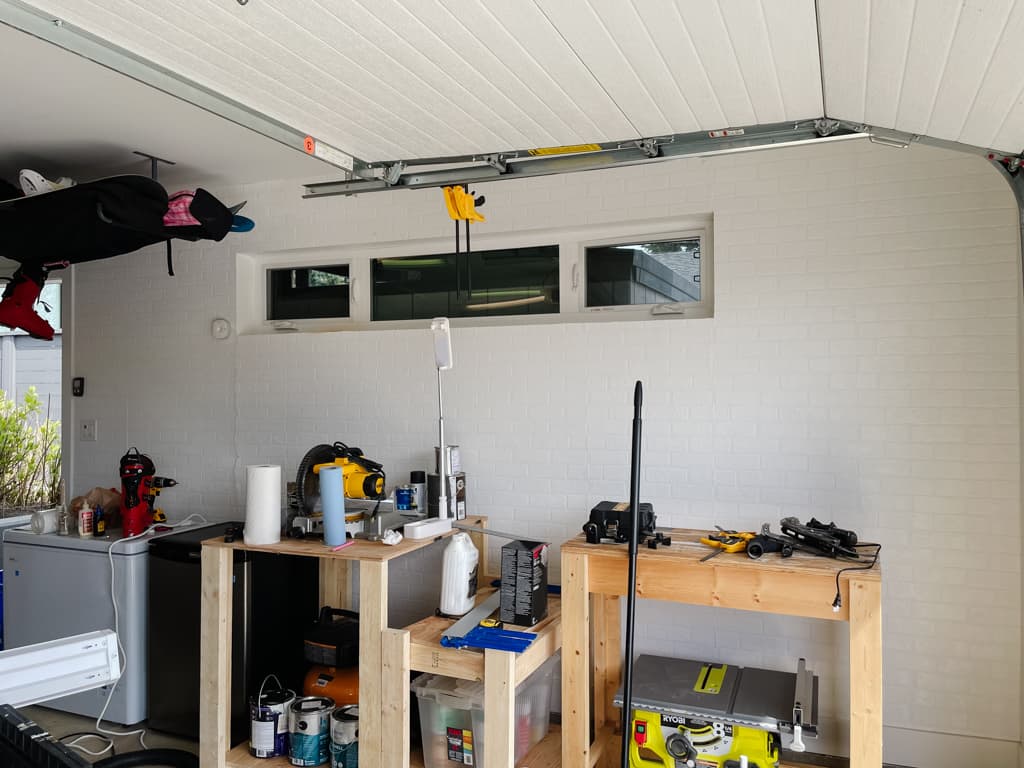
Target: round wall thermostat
[(220, 328)]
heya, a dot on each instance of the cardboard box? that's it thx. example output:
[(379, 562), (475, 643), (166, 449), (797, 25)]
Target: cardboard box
[(524, 582)]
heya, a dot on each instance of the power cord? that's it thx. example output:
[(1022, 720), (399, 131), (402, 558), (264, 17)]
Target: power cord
[(86, 735), (838, 602), (117, 630)]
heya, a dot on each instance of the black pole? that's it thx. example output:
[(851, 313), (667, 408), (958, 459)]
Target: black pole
[(634, 537)]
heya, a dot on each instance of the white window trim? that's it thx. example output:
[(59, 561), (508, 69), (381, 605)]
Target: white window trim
[(695, 309), (251, 275)]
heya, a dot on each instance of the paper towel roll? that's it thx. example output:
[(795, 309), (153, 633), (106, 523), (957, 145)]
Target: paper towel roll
[(44, 521), (332, 498), (262, 504)]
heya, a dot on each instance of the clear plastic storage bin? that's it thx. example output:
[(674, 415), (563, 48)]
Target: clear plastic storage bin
[(452, 717)]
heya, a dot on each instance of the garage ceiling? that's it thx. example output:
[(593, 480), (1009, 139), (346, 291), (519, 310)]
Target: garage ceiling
[(407, 79)]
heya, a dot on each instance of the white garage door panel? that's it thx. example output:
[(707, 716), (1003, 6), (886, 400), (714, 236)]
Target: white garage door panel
[(708, 31), (393, 79), (133, 28), (545, 45), (648, 62), (678, 50), (931, 39), (793, 36), (266, 43), (539, 87), (959, 98), (843, 28), (995, 116), (749, 39), (889, 33), (613, 62), (315, 66), (401, 37)]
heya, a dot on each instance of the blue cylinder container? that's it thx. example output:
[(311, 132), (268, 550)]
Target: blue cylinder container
[(332, 499)]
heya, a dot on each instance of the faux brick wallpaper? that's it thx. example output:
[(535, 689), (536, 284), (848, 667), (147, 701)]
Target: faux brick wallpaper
[(862, 366)]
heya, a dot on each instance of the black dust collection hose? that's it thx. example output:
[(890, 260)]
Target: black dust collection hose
[(634, 535)]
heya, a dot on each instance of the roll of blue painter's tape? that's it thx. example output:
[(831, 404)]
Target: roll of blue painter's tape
[(332, 499)]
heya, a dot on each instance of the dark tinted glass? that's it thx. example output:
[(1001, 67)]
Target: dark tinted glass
[(644, 273), (512, 281), (307, 292)]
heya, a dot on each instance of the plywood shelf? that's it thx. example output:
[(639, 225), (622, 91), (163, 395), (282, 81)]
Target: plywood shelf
[(428, 655)]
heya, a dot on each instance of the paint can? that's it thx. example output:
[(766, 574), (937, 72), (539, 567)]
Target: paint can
[(345, 737), (309, 722), (268, 722), (404, 498)]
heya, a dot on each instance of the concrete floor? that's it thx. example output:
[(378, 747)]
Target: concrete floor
[(61, 724)]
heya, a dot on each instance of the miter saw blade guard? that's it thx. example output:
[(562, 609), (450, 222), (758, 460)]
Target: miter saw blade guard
[(307, 483)]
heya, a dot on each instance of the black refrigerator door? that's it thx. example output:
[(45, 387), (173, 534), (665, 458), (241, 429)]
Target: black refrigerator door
[(175, 591)]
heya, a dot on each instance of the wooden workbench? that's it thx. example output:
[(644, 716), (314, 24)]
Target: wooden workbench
[(380, 649), (594, 578)]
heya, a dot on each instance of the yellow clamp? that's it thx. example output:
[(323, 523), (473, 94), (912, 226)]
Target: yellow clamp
[(461, 205)]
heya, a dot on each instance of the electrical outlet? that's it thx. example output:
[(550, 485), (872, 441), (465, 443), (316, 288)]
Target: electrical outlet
[(87, 430)]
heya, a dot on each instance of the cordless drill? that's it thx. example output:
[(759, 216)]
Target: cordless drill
[(156, 485), (137, 472)]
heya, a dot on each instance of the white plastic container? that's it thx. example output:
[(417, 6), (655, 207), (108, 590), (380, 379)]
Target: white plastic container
[(452, 717), (458, 575)]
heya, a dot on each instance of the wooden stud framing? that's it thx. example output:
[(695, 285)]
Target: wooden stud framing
[(395, 710), (575, 659), (500, 707), (215, 656), (865, 598), (373, 620)]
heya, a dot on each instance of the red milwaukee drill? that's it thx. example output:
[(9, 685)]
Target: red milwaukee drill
[(137, 472)]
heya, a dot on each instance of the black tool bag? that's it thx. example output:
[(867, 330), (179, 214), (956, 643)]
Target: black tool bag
[(333, 640)]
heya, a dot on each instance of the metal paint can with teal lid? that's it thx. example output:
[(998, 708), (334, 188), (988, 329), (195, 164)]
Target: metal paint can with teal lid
[(309, 721), (345, 737)]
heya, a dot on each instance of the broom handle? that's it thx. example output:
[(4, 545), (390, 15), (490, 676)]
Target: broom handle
[(634, 535)]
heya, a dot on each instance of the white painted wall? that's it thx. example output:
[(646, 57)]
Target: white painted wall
[(862, 366)]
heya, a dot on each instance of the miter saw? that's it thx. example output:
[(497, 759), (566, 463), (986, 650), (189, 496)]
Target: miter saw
[(695, 714), (362, 481)]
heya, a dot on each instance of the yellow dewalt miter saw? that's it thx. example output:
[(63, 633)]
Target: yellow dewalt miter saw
[(362, 478), (692, 714)]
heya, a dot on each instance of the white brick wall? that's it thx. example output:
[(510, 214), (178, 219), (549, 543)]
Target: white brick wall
[(862, 366)]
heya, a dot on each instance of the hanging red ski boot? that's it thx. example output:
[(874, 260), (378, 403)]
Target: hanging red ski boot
[(16, 308)]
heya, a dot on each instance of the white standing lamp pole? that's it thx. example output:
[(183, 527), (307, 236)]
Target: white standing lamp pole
[(443, 359)]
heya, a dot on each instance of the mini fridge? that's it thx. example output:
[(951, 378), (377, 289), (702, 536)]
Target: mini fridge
[(274, 600), (56, 586)]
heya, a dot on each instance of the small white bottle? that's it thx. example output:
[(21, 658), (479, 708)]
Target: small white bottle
[(458, 575)]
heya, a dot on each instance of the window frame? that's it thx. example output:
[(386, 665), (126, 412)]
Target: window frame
[(251, 275), (704, 308)]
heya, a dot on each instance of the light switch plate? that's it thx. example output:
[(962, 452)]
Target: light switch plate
[(87, 430)]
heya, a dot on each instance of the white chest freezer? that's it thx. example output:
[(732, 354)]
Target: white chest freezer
[(55, 586)]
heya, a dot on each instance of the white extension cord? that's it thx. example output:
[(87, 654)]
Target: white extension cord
[(124, 660)]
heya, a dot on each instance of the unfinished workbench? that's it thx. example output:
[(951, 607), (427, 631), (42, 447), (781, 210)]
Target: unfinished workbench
[(381, 650), (594, 578)]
